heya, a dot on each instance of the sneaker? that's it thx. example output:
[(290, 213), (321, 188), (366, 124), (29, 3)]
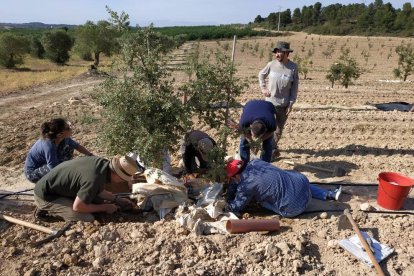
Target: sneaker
[(335, 194), (338, 193)]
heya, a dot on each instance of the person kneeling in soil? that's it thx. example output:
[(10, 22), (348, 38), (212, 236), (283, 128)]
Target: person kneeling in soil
[(284, 192), (195, 144), (55, 147), (75, 189)]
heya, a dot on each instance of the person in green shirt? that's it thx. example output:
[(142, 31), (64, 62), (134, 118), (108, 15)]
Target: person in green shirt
[(75, 189)]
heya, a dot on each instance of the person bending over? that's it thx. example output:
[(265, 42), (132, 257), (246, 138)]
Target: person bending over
[(75, 189)]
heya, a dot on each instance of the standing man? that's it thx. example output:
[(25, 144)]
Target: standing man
[(282, 87), (257, 124), (75, 189)]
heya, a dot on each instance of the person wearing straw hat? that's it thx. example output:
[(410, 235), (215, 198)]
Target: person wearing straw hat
[(194, 144), (282, 87), (75, 189), (284, 192)]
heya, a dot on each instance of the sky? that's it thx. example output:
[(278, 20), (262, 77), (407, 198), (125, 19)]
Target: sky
[(160, 12)]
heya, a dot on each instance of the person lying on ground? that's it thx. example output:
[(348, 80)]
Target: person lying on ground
[(55, 147), (285, 192), (75, 189), (194, 144), (257, 124)]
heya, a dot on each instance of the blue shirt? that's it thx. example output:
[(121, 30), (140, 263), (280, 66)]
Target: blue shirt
[(258, 110), (45, 152), (282, 191)]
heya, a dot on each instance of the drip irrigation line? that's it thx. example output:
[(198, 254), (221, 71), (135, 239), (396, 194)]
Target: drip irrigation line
[(346, 184), (373, 212), (4, 195), (10, 194)]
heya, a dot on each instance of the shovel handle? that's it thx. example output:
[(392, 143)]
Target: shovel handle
[(27, 224), (365, 244)]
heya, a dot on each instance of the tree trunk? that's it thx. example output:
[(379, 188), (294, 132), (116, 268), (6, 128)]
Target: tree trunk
[(96, 63)]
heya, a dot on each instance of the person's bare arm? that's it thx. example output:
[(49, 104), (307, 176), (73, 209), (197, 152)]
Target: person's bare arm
[(82, 207), (83, 150)]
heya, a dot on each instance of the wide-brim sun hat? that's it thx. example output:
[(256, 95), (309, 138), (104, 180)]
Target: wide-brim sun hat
[(282, 46), (124, 166), (204, 146), (233, 167)]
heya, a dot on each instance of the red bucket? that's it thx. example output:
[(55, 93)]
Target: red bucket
[(393, 188)]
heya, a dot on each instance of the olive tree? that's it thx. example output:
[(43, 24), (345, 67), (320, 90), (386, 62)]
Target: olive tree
[(57, 45), (142, 111), (211, 94), (344, 70), (96, 38), (12, 49), (405, 61)]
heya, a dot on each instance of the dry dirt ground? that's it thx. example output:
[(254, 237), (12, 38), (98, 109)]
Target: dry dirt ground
[(328, 127)]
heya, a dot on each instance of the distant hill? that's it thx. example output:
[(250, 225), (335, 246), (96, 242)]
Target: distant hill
[(34, 25)]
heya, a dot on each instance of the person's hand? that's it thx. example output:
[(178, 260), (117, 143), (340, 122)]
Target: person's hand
[(124, 203), (266, 92), (232, 124), (222, 204), (289, 109), (111, 208)]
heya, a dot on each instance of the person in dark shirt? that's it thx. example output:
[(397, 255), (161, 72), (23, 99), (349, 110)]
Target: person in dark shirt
[(194, 144), (75, 189), (257, 124)]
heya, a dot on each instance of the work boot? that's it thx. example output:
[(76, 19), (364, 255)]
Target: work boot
[(335, 194)]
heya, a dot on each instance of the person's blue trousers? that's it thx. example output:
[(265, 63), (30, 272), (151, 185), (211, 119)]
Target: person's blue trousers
[(318, 192), (267, 147)]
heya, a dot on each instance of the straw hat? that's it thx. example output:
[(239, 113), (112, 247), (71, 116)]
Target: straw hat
[(233, 167), (124, 166)]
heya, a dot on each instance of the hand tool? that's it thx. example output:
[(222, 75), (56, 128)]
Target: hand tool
[(53, 233)]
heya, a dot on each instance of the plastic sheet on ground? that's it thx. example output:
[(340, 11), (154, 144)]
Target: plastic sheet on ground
[(163, 192)]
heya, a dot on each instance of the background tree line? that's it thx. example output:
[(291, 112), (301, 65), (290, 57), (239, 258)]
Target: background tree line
[(376, 18), (90, 40)]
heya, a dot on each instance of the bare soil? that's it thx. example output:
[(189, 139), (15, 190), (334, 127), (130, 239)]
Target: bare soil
[(328, 127)]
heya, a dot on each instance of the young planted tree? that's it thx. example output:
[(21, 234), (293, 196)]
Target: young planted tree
[(96, 38), (57, 45), (142, 111), (12, 49), (211, 94), (344, 70), (405, 61), (303, 64)]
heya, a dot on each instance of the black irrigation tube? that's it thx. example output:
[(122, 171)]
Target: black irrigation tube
[(3, 195), (346, 184), (373, 212)]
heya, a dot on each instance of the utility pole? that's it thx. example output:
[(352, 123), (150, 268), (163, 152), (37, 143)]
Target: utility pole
[(278, 23)]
